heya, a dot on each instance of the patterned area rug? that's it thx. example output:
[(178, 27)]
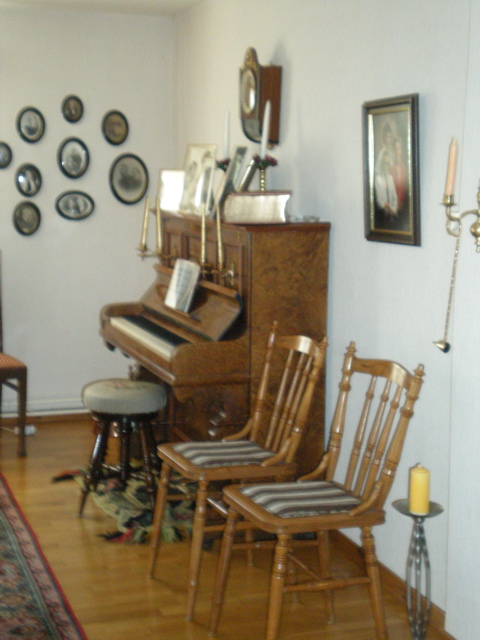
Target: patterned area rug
[(32, 605), (133, 514)]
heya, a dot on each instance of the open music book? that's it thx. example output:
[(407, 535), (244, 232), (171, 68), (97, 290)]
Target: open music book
[(182, 285)]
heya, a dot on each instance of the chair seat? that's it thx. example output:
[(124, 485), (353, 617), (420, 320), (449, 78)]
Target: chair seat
[(220, 454), (301, 499), (10, 362), (117, 396)]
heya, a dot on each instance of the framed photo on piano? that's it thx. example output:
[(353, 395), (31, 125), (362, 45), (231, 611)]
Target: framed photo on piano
[(199, 168)]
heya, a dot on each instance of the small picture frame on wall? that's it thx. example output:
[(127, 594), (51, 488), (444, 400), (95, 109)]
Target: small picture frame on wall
[(115, 127), (73, 157), (5, 155), (128, 178), (28, 180), (72, 108), (391, 170), (30, 124), (26, 218)]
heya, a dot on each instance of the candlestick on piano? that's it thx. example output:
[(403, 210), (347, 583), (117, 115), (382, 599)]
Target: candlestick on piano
[(159, 227), (419, 495), (265, 130), (203, 239), (226, 134), (143, 240), (219, 241)]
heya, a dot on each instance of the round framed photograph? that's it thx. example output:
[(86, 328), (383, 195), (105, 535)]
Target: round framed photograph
[(128, 178), (30, 124), (5, 155), (26, 218), (72, 108), (73, 157), (28, 180), (115, 127), (74, 205)]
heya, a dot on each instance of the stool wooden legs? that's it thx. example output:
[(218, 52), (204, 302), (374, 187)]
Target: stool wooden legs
[(126, 424), (94, 471)]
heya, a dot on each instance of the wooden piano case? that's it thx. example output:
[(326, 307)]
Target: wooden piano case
[(281, 273)]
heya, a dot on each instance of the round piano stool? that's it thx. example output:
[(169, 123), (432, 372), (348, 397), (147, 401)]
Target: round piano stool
[(124, 406)]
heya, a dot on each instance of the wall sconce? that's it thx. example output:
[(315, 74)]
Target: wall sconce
[(454, 228)]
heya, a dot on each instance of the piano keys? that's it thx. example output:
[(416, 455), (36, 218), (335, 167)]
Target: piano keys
[(211, 358)]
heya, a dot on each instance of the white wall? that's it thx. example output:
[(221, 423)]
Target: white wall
[(391, 299), (55, 281)]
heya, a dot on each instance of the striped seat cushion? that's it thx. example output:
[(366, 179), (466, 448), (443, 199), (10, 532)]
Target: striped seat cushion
[(300, 499), (9, 361), (222, 454)]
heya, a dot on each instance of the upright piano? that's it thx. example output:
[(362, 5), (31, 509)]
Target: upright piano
[(211, 358)]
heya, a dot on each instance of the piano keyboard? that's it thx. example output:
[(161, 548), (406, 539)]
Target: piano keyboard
[(148, 333)]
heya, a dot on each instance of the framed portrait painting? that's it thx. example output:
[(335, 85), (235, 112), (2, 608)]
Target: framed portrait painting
[(391, 170)]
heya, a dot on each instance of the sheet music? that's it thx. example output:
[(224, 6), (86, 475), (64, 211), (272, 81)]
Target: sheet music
[(182, 285)]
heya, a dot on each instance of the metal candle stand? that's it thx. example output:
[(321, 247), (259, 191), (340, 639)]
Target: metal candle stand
[(418, 607)]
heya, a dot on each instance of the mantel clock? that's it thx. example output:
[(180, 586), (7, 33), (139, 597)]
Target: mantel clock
[(257, 85)]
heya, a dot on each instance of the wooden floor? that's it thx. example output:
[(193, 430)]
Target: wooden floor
[(106, 583)]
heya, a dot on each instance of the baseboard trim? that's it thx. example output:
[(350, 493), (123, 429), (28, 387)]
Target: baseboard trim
[(77, 416), (390, 581)]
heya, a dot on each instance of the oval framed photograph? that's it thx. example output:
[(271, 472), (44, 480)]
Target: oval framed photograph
[(73, 157), (128, 178), (26, 218), (30, 124), (74, 205), (72, 108), (115, 127), (28, 180), (5, 155)]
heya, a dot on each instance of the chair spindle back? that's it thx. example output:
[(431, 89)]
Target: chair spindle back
[(286, 416), (387, 409)]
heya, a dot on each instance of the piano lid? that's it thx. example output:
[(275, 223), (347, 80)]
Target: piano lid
[(214, 308)]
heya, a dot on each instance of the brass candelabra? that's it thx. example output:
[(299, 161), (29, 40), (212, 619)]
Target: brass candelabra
[(454, 228)]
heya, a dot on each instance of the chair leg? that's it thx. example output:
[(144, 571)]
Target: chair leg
[(94, 471), (22, 413), (277, 583), (373, 573), (324, 564), (223, 567), (196, 546), (162, 493)]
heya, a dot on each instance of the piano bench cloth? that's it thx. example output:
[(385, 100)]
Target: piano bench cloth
[(117, 396), (129, 405)]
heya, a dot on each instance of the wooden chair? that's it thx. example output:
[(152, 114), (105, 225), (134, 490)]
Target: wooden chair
[(317, 504), (13, 374), (264, 449)]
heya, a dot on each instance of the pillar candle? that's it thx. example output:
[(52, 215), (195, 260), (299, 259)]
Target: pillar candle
[(265, 130), (451, 168), (419, 495), (143, 241)]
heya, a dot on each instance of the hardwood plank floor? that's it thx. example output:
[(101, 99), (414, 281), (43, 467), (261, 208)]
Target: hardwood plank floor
[(106, 583)]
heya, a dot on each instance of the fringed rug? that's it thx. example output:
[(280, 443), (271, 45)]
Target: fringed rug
[(32, 605), (133, 514)]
